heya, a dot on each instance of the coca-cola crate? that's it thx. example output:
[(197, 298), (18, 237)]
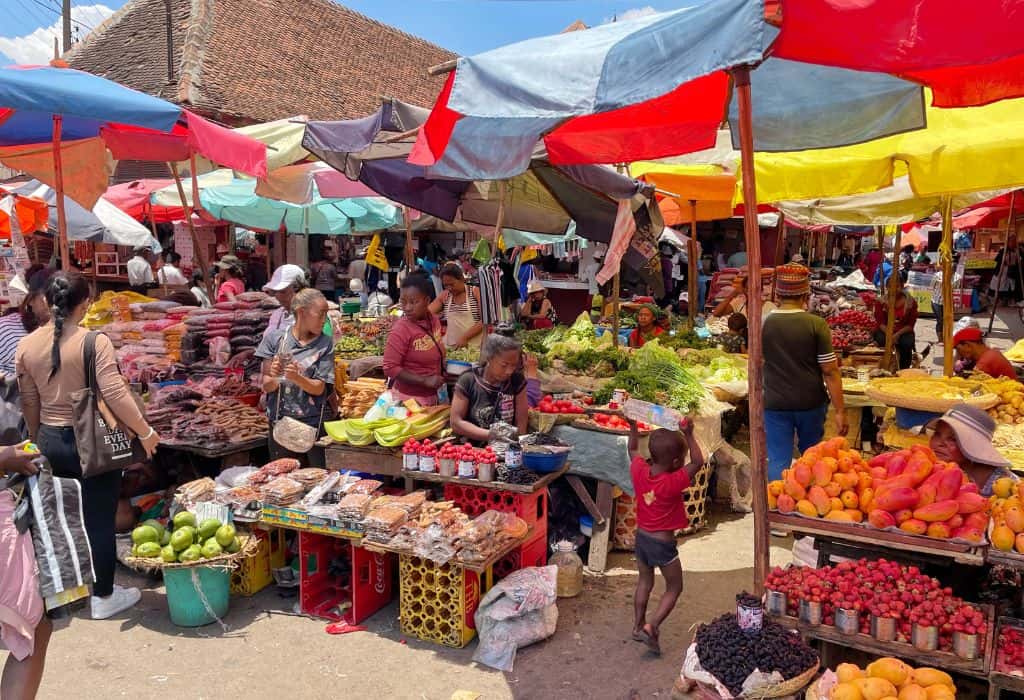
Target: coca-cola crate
[(474, 500)]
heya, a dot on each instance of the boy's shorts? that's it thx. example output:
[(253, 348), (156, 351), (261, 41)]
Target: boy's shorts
[(653, 552)]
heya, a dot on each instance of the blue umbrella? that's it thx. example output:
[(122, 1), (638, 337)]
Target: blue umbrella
[(238, 202)]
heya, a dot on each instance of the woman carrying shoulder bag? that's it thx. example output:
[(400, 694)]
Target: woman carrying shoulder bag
[(298, 376), (51, 372)]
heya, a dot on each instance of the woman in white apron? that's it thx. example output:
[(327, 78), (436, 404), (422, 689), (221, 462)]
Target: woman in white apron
[(459, 307)]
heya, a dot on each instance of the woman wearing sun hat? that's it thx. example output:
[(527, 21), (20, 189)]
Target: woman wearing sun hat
[(537, 312), (963, 435)]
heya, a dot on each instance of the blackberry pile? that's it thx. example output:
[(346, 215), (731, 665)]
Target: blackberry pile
[(730, 654)]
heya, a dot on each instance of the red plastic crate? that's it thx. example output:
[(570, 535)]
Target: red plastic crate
[(533, 553), (368, 586), (474, 500)]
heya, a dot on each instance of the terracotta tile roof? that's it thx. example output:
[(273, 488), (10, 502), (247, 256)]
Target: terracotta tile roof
[(256, 60)]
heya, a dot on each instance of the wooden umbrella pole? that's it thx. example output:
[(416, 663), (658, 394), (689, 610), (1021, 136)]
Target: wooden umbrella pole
[(692, 294), (410, 259), (946, 259), (890, 322), (58, 173), (755, 363), (204, 267), (1001, 274), (615, 307)]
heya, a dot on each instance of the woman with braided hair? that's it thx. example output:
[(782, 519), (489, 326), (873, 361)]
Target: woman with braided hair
[(51, 367)]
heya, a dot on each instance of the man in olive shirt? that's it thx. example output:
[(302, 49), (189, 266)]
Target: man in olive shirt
[(799, 364)]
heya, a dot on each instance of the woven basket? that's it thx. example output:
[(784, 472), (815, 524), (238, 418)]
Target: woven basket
[(224, 561), (791, 687), (696, 500), (878, 389), (544, 422)]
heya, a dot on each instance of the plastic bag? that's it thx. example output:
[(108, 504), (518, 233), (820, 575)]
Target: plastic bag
[(516, 612), (734, 480)]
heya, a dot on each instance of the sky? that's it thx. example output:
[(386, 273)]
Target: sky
[(464, 26)]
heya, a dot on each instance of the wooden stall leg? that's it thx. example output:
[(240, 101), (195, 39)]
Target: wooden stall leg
[(597, 561)]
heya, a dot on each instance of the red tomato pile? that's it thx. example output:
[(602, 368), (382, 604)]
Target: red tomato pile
[(885, 589), (550, 405), (613, 422)]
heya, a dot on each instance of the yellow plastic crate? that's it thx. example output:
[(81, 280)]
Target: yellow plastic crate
[(437, 602), (254, 573)]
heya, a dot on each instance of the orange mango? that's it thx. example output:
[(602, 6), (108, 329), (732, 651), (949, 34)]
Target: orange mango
[(939, 531), (1018, 543), (903, 515), (914, 526), (786, 504), (840, 515), (850, 499), (802, 474), (949, 485), (819, 498), (805, 507), (1014, 518), (792, 487), (896, 498), (833, 489), (775, 487), (1003, 538), (857, 515), (926, 494), (970, 502), (835, 504), (936, 512)]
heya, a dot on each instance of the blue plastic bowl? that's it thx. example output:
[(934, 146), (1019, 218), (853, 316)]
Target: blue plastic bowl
[(544, 463)]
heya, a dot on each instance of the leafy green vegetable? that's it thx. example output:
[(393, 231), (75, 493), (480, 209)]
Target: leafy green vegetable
[(589, 359), (582, 330)]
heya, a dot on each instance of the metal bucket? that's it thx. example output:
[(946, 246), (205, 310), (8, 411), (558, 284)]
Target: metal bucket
[(966, 646), (883, 628), (775, 603), (810, 612), (924, 638), (847, 621)]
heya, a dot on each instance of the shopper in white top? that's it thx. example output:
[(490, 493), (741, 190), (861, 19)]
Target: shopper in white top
[(169, 272), (198, 291), (140, 272), (379, 302)]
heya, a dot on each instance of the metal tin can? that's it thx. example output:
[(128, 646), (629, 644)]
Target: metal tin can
[(883, 628), (810, 612), (775, 602), (485, 471), (924, 638), (966, 646), (750, 618), (619, 396), (847, 621)]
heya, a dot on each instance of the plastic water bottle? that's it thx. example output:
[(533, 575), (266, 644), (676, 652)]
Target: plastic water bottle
[(652, 414)]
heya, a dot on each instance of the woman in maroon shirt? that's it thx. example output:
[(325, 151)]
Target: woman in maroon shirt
[(903, 328), (414, 355)]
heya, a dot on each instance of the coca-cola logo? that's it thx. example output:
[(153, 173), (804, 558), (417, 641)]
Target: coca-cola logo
[(472, 598), (379, 582)]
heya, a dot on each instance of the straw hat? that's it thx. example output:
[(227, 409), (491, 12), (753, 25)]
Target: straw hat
[(534, 286)]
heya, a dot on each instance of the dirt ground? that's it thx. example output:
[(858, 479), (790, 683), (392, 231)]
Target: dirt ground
[(270, 653)]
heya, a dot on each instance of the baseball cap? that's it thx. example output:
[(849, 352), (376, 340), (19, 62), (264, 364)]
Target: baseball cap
[(967, 335), (382, 285), (285, 276)]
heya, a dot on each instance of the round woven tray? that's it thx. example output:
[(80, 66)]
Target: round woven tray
[(791, 687), (879, 390), (544, 422), (224, 561)]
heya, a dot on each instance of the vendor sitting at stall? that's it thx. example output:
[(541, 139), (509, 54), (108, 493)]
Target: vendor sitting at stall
[(492, 392), (647, 326), (735, 339), (537, 312), (905, 312), (963, 435), (298, 367), (736, 300), (971, 347), (414, 357)]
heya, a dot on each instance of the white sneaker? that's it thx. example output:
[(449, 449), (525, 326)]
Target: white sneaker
[(118, 601)]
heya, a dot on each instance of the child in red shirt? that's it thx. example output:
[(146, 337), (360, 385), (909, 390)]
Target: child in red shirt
[(660, 511)]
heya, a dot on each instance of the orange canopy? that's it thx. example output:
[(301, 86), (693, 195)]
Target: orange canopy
[(710, 186), (31, 214)]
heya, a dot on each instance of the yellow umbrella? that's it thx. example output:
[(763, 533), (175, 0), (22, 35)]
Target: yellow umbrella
[(961, 150)]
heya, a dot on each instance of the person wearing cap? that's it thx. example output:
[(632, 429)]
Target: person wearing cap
[(735, 302), (284, 283), (537, 312), (970, 347), (801, 372), (963, 435), (140, 271), (356, 287), (379, 302), (229, 275)]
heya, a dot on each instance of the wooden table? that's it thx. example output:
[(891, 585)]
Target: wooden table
[(434, 477), (372, 459), (960, 553), (828, 634), (478, 568), (216, 451), (225, 455)]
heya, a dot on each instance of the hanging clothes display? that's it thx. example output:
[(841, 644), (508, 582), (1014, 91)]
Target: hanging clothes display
[(491, 301)]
